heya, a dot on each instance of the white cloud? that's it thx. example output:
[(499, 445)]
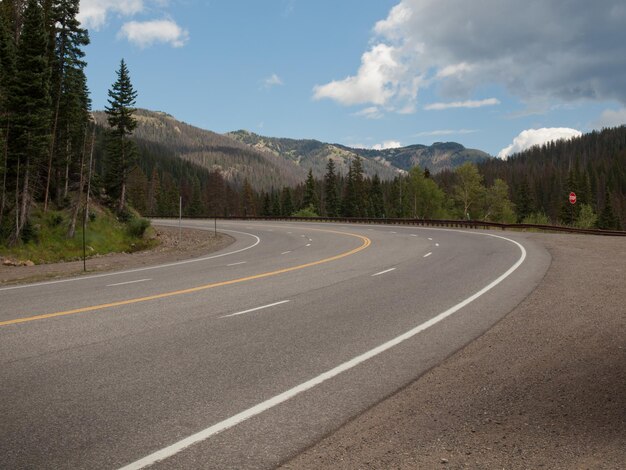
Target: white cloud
[(375, 81), (611, 118), (454, 70), (372, 112), (148, 33), (273, 80), (387, 144), (531, 137), (566, 50), (94, 13), (441, 132), (463, 104)]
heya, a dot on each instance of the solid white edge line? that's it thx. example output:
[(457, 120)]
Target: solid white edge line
[(128, 282), (159, 266), (428, 254), (255, 309), (278, 399), (236, 264), (384, 272)]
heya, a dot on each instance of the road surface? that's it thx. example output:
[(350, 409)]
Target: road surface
[(245, 357)]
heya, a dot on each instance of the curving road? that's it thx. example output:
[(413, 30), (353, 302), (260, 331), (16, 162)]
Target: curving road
[(245, 357)]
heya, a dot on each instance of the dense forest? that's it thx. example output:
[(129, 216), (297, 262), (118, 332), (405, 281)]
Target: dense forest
[(44, 110), (593, 166)]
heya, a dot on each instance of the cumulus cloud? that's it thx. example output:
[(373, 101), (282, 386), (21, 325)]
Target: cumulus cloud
[(387, 144), (273, 80), (462, 104), (148, 33), (531, 137), (94, 13), (611, 118), (566, 50)]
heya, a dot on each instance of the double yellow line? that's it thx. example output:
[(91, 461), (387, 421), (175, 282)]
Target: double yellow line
[(366, 242)]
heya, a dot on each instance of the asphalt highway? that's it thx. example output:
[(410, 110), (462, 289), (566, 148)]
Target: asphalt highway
[(245, 357)]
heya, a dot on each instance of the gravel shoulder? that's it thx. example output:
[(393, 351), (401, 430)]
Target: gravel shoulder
[(192, 244), (544, 388)]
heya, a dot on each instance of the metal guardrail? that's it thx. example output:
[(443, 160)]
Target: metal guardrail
[(472, 224)]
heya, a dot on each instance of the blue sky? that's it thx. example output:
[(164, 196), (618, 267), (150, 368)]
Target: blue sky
[(494, 75)]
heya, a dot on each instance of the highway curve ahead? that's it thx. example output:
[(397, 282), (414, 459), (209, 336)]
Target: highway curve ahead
[(249, 355)]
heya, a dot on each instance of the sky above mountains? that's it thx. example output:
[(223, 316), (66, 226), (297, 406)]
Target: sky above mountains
[(498, 75)]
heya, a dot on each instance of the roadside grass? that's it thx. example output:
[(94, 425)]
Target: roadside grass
[(48, 242)]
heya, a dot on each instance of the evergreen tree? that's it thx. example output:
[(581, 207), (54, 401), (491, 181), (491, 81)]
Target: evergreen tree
[(7, 77), (569, 212), (249, 206), (266, 210), (310, 199), (524, 202), (360, 194), (607, 219), (348, 202), (66, 43), (330, 190), (30, 108), (121, 151), (286, 202), (276, 212), (377, 203)]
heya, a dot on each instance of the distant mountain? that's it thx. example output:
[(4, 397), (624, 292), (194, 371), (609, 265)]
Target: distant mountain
[(271, 162), (387, 163), (313, 154), (235, 160), (436, 157)]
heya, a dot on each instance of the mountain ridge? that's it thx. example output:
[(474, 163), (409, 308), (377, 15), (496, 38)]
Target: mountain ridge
[(271, 162)]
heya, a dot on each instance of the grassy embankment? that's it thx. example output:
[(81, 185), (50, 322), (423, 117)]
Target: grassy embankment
[(46, 241)]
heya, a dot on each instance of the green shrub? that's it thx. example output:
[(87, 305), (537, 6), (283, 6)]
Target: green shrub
[(55, 219), (30, 233), (306, 212), (138, 226)]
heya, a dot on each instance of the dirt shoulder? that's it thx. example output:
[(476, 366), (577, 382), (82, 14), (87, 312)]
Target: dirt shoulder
[(544, 388), (193, 243)]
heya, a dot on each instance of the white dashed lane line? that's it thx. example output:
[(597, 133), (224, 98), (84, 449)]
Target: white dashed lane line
[(384, 272), (236, 264), (428, 254), (128, 282), (255, 309)]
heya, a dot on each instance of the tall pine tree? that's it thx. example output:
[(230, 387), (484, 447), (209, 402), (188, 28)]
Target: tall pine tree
[(30, 108), (331, 199), (121, 151)]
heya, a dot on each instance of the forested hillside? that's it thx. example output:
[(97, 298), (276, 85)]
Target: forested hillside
[(313, 155), (436, 157), (217, 153), (387, 164), (593, 166)]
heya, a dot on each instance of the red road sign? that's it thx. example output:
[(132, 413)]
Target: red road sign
[(572, 198)]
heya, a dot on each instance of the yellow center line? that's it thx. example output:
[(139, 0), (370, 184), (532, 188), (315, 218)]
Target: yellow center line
[(366, 243)]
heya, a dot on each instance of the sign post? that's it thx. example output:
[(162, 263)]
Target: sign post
[(572, 201)]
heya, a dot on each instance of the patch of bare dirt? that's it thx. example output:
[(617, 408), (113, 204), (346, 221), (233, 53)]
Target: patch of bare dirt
[(192, 243), (544, 388)]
